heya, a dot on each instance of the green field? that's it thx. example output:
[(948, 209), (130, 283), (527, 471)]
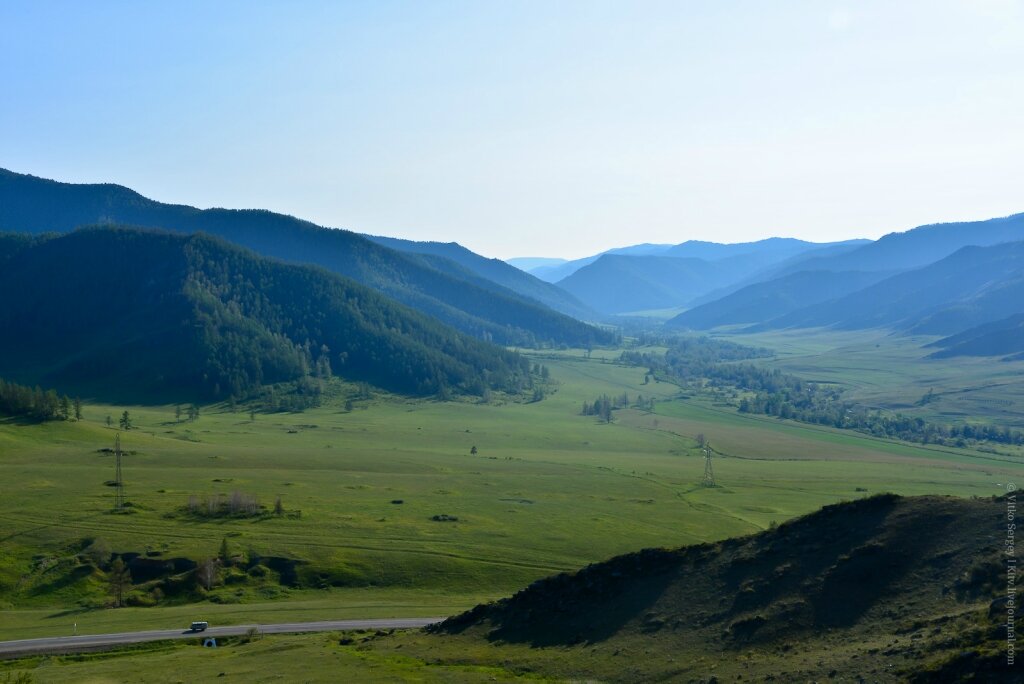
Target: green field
[(548, 490), (293, 658), (891, 371)]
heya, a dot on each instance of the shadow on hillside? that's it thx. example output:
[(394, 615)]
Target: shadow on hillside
[(586, 607), (557, 623)]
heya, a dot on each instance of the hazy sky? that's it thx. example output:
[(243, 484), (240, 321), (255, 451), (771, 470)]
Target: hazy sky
[(531, 128)]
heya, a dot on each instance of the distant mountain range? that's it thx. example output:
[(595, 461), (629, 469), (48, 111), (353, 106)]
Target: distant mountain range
[(972, 286), (942, 279), (770, 250), (617, 283), (436, 285), (528, 264), (121, 312), (774, 298), (557, 272), (630, 280), (957, 279), (922, 245)]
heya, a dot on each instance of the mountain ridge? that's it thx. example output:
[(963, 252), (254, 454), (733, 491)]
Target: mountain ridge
[(973, 285), (158, 313), (36, 205), (773, 298), (496, 271)]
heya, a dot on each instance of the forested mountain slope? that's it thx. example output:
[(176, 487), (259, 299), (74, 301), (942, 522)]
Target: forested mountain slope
[(117, 312), (35, 205)]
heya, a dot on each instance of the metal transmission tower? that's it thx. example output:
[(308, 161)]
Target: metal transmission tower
[(118, 480), (709, 471)]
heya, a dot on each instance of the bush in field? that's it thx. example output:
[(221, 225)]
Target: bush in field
[(234, 505)]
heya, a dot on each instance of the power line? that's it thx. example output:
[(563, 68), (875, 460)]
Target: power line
[(118, 479)]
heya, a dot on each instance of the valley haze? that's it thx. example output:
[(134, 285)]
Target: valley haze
[(517, 342)]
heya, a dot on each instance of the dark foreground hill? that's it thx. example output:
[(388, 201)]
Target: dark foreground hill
[(881, 589), (119, 312), (36, 205)]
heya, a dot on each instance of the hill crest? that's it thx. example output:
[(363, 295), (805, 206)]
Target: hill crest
[(841, 580)]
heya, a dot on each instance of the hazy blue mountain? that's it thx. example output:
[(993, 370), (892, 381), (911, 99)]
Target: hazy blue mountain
[(748, 258), (642, 249), (972, 286), (493, 270), (920, 246), (773, 270), (125, 312), (989, 303), (622, 284), (631, 282), (35, 205), (529, 263), (892, 253), (781, 248), (773, 298), (556, 273), (1004, 337)]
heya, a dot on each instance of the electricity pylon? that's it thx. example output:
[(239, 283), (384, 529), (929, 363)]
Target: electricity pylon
[(709, 471)]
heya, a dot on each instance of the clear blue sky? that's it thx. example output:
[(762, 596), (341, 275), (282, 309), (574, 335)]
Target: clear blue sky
[(531, 128)]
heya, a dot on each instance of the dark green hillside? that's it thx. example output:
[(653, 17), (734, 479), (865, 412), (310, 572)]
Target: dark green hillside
[(35, 205), (1000, 338), (975, 285), (494, 271), (764, 301), (881, 589), (119, 311)]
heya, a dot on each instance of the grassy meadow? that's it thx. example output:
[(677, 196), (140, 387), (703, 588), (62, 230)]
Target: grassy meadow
[(291, 658), (547, 490), (890, 371)]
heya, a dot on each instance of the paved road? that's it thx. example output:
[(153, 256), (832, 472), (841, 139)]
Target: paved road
[(9, 649)]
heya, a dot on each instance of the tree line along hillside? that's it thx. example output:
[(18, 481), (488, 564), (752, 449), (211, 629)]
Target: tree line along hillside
[(21, 401), (706, 363), (436, 286), (116, 311)]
